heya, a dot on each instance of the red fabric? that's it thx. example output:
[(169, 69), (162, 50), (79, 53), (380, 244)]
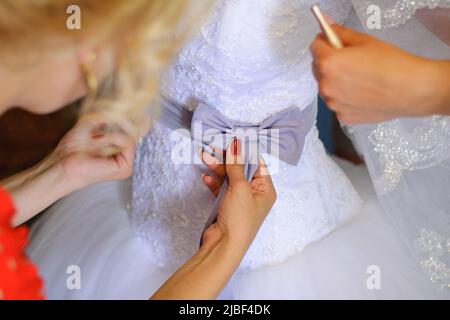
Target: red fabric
[(19, 279)]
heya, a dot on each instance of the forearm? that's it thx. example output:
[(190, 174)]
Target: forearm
[(38, 192), (205, 275), (22, 177)]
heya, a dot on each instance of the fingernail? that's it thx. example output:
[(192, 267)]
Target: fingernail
[(97, 135), (236, 147), (329, 19), (236, 150)]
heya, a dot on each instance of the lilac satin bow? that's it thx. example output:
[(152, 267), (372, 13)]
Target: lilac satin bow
[(282, 135)]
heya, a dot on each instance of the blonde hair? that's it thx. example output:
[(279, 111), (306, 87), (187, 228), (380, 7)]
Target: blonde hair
[(149, 32)]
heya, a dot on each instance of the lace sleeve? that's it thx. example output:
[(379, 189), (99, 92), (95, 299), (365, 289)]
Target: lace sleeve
[(395, 12)]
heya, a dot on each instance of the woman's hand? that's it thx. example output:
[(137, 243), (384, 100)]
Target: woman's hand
[(86, 155), (89, 153), (371, 81), (244, 206), (241, 214)]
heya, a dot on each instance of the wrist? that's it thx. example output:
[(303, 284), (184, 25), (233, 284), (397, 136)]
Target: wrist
[(29, 198), (64, 181), (206, 274), (233, 250), (73, 175)]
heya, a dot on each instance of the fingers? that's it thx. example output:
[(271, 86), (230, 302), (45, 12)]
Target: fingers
[(234, 163), (321, 51), (118, 139), (320, 48), (213, 164), (129, 152), (215, 180), (125, 162), (348, 36), (109, 144), (214, 184), (263, 185), (107, 123), (97, 133), (263, 170)]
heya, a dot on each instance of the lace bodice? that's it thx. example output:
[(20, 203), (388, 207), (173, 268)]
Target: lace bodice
[(252, 58)]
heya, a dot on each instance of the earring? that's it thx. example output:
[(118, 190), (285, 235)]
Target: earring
[(89, 74)]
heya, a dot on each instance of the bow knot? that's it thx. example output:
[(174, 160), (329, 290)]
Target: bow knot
[(282, 135)]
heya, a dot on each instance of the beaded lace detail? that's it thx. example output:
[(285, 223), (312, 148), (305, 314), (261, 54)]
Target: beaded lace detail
[(400, 150), (434, 249)]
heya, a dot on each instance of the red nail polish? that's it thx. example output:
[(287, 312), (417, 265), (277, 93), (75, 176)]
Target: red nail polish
[(97, 135), (235, 148)]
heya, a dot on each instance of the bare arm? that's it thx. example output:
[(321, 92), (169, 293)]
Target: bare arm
[(241, 214), (205, 275), (76, 163), (36, 189), (22, 177), (370, 81)]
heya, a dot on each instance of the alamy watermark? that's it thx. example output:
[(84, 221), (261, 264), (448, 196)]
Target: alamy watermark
[(373, 17), (373, 282), (73, 281), (73, 21)]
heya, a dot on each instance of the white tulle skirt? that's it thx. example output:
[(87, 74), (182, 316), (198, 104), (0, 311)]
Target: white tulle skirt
[(90, 230)]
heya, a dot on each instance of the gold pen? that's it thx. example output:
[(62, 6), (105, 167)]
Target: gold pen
[(331, 35)]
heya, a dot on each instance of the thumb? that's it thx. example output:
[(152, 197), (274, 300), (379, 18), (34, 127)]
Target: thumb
[(348, 36), (234, 162)]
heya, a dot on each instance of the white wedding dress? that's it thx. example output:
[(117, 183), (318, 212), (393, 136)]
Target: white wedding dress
[(323, 239)]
